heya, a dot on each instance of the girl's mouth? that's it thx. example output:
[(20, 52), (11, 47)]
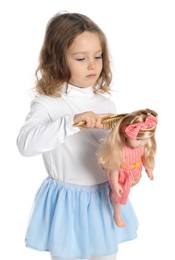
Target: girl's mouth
[(91, 76)]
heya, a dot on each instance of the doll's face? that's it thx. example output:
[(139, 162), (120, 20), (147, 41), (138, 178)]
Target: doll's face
[(137, 142)]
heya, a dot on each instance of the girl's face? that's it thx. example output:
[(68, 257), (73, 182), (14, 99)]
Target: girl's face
[(84, 59), (133, 143)]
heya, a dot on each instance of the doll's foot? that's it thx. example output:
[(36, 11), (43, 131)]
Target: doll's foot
[(119, 221)]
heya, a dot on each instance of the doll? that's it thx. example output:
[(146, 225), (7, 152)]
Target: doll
[(129, 147)]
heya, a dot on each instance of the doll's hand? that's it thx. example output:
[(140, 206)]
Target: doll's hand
[(90, 119), (118, 190), (150, 174)]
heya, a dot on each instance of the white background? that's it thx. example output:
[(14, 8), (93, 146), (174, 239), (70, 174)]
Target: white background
[(141, 37)]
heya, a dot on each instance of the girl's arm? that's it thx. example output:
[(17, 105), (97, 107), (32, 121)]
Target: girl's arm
[(40, 134)]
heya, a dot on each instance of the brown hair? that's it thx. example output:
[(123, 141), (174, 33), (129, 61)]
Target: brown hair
[(110, 154), (60, 33)]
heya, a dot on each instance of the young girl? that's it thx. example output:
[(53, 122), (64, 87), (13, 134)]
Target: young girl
[(130, 146), (72, 214)]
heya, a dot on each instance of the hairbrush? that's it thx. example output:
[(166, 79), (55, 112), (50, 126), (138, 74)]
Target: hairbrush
[(108, 122)]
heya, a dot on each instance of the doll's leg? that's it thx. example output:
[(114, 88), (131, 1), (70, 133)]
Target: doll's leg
[(117, 214), (107, 257)]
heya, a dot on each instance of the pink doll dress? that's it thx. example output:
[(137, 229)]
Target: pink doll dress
[(128, 173)]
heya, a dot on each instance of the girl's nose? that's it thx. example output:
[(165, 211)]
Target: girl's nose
[(91, 64)]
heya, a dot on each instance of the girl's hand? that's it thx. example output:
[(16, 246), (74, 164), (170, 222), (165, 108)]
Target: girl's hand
[(90, 119)]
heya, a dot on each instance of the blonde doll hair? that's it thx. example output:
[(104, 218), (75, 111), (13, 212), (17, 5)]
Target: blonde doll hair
[(53, 70), (110, 155)]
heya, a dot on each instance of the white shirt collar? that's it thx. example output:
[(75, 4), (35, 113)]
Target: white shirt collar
[(73, 91)]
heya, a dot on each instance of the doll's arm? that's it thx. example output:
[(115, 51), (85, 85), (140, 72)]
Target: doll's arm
[(116, 187)]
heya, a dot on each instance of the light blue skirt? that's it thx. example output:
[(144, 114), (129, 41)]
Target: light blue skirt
[(72, 221)]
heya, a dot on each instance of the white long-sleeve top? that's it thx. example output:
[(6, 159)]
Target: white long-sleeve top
[(69, 153)]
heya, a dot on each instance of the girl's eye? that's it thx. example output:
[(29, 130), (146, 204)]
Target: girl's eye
[(98, 57), (81, 59)]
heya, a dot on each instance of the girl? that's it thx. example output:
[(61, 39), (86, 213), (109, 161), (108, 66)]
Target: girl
[(129, 146), (72, 213)]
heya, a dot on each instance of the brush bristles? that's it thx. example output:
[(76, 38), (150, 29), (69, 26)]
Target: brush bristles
[(110, 122)]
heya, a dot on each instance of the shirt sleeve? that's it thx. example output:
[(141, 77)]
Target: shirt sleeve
[(40, 134)]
